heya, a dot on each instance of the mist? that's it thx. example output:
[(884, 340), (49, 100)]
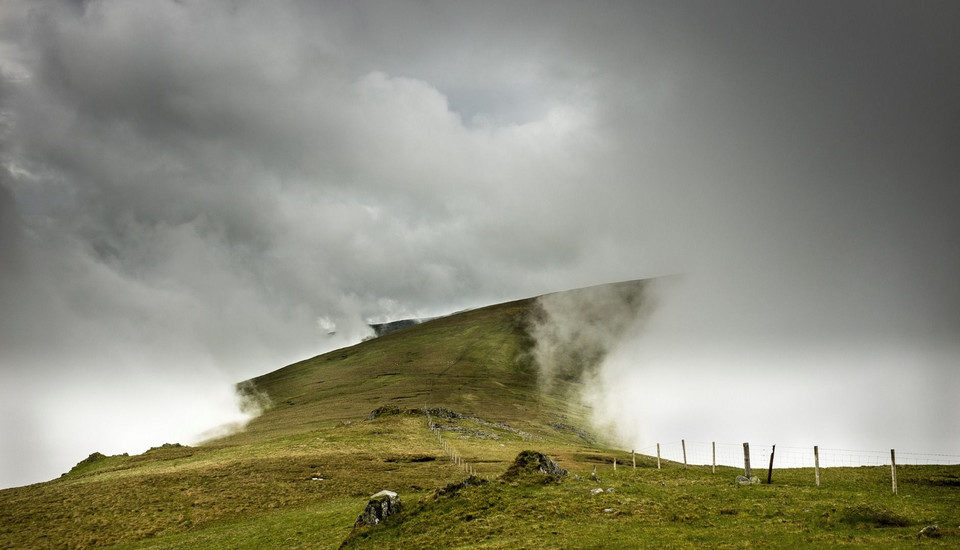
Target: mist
[(702, 369), (574, 331), (195, 193)]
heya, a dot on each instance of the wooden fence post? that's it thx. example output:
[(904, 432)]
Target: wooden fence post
[(746, 460), (633, 456), (683, 444), (816, 464), (713, 444), (614, 464), (893, 470), (658, 456), (770, 470)]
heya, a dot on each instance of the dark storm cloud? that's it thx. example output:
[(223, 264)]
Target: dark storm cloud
[(195, 192)]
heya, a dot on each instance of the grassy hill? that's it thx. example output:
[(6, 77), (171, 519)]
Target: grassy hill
[(344, 425)]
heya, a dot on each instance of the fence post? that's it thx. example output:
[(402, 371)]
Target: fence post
[(614, 464), (816, 464), (893, 470), (633, 456), (770, 470), (746, 460), (683, 444), (658, 456), (713, 445)]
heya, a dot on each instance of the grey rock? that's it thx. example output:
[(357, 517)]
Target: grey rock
[(596, 491), (531, 465), (593, 476), (931, 531), (381, 506), (744, 480)]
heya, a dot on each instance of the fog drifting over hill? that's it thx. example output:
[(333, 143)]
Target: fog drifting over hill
[(193, 193)]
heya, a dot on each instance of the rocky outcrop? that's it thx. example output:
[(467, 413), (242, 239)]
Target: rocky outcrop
[(433, 411), (381, 506), (440, 412), (531, 466)]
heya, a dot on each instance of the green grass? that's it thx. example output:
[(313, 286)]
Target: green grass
[(677, 508), (301, 472)]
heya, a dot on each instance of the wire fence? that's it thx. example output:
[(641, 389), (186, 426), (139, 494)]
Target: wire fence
[(761, 457), (731, 454), (449, 449)]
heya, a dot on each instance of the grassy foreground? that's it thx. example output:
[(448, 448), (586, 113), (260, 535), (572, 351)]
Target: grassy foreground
[(299, 475)]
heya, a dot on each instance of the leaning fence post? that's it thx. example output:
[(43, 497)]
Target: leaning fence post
[(658, 456), (770, 470), (713, 445), (683, 444), (816, 464), (893, 470), (746, 460)]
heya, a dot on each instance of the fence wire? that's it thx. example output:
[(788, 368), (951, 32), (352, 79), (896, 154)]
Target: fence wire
[(731, 454)]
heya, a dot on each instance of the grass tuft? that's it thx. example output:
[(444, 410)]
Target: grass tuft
[(872, 514)]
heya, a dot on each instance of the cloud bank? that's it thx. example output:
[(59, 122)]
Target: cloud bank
[(193, 193)]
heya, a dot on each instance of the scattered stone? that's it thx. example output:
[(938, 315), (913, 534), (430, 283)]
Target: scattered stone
[(596, 491), (381, 506), (534, 466), (593, 476), (609, 489), (744, 480), (608, 510), (577, 477), (439, 412), (931, 531), (582, 434)]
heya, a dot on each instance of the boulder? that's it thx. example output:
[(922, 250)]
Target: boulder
[(381, 506), (744, 480), (535, 467)]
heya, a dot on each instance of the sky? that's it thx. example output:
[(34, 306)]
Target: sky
[(194, 193)]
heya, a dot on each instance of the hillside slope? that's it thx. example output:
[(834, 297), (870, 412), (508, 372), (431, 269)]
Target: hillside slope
[(474, 363), (344, 425), (313, 451)]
